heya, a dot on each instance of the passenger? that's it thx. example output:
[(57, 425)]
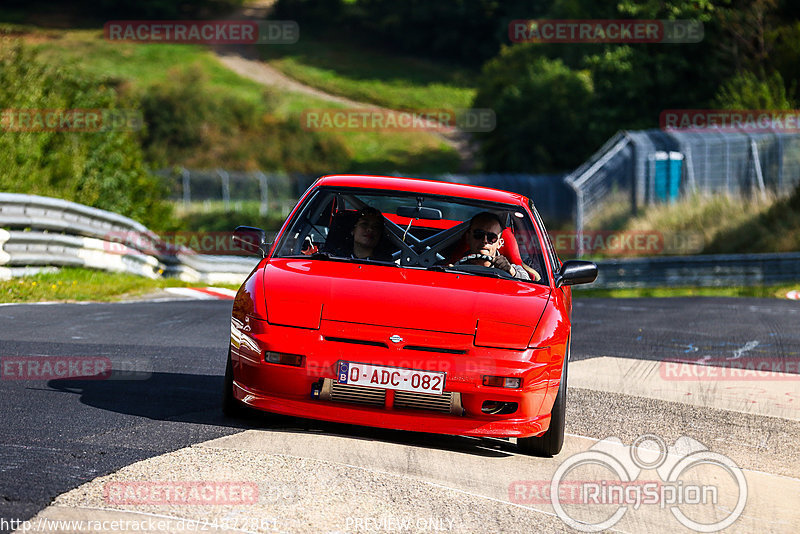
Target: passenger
[(484, 241), (367, 236)]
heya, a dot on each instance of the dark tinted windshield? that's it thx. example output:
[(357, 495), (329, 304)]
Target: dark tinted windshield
[(415, 230)]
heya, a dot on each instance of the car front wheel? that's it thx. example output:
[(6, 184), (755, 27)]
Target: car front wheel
[(230, 406), (550, 443)]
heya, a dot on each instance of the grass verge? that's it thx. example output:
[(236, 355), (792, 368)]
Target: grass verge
[(710, 224), (142, 65), (770, 291), (75, 284), (364, 75)]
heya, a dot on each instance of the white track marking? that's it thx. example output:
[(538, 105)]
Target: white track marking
[(750, 345), (206, 293)]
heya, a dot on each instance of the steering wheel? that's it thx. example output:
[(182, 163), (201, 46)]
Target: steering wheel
[(470, 257)]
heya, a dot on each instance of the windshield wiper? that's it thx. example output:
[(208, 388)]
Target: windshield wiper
[(372, 262), (315, 256), (466, 269), (445, 269), (331, 257)]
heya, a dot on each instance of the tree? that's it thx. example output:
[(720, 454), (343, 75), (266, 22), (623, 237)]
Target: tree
[(542, 109)]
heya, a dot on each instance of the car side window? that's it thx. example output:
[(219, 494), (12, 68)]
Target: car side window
[(309, 230), (551, 252)]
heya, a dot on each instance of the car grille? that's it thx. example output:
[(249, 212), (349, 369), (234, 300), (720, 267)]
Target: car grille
[(357, 394), (449, 402), (424, 401)]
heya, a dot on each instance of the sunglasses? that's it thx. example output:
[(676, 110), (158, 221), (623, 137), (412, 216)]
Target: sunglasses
[(491, 237)]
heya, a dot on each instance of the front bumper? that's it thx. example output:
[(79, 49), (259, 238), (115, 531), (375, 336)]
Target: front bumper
[(288, 390)]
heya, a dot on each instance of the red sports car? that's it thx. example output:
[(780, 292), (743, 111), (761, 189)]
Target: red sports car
[(407, 304)]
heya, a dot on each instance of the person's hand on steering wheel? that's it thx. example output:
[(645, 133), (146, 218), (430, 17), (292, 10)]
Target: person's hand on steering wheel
[(485, 258), (484, 237), (502, 263)]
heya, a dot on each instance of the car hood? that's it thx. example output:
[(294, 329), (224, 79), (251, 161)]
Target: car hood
[(303, 293)]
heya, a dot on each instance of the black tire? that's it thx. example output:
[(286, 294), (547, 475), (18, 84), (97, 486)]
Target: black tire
[(549, 444), (230, 406)]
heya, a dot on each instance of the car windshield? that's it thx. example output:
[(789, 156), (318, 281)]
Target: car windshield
[(406, 230)]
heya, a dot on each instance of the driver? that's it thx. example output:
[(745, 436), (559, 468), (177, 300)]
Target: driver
[(484, 241), (367, 235)]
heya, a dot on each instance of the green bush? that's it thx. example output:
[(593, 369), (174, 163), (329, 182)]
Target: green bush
[(746, 91), (225, 221), (465, 31), (101, 10), (191, 124), (103, 169), (543, 109)]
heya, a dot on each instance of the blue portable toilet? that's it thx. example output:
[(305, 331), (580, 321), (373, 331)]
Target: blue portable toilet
[(666, 175)]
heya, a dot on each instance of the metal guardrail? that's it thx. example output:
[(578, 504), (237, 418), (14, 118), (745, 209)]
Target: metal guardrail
[(703, 271), (54, 232)]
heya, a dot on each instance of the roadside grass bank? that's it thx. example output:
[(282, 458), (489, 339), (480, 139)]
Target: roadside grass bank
[(769, 291), (217, 219), (201, 114), (721, 224), (71, 284), (358, 73)]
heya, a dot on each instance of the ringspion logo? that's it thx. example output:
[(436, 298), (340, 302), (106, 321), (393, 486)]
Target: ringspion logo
[(593, 490)]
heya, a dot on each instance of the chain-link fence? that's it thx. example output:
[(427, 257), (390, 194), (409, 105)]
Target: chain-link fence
[(653, 166), (554, 200), (230, 190)]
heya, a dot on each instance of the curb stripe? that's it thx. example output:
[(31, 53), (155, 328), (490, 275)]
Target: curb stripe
[(203, 293)]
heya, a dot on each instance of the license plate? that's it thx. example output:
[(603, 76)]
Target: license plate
[(398, 378)]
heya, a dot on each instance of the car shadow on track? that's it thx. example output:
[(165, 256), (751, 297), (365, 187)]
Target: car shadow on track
[(195, 399)]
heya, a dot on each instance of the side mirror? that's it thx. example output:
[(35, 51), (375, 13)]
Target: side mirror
[(250, 239), (576, 272)]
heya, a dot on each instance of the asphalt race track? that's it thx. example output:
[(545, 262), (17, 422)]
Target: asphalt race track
[(58, 435)]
